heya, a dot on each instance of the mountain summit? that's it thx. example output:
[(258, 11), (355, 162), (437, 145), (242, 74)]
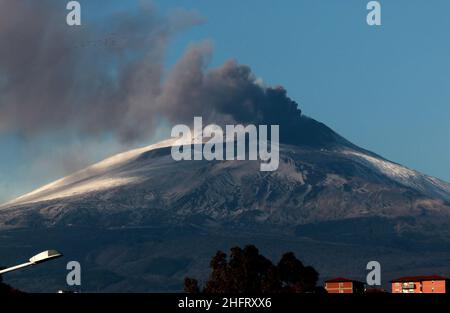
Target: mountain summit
[(326, 191), (331, 181)]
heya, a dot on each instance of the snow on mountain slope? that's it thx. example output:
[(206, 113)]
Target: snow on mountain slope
[(125, 169), (100, 176), (104, 175), (431, 186)]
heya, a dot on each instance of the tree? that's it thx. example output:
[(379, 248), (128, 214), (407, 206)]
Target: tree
[(295, 276), (247, 271), (191, 285)]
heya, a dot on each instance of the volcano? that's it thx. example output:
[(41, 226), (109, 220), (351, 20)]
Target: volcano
[(140, 221)]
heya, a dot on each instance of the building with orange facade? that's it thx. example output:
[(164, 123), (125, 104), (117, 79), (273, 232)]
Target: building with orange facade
[(344, 285), (421, 284)]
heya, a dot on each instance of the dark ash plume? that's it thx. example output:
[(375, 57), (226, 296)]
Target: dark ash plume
[(55, 78), (89, 79)]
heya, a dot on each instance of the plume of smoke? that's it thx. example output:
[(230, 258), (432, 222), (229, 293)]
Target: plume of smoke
[(59, 78), (55, 78)]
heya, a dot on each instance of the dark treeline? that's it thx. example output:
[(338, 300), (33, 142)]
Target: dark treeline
[(247, 271)]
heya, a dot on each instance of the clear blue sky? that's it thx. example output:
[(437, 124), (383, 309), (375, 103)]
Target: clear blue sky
[(384, 88)]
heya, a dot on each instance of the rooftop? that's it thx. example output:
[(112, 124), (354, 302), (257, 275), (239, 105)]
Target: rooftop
[(341, 280), (418, 278)]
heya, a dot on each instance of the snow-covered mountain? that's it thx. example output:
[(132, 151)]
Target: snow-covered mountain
[(100, 176), (140, 221), (310, 185)]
